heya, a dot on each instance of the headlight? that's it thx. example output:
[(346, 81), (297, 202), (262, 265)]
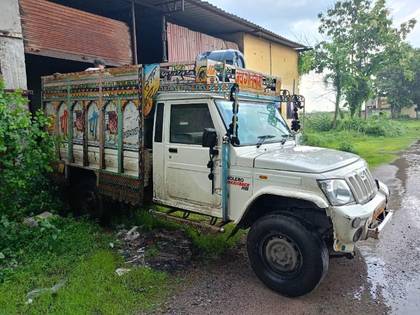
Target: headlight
[(337, 191)]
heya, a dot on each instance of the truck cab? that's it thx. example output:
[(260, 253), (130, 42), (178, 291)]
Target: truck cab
[(327, 195), (219, 147)]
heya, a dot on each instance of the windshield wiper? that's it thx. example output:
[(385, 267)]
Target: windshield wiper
[(285, 138), (261, 139)]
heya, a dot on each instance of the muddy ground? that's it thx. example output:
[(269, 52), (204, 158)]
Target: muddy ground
[(384, 278)]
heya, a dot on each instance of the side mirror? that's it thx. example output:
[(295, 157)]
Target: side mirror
[(209, 138)]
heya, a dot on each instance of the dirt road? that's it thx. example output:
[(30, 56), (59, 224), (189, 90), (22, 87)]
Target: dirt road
[(384, 278)]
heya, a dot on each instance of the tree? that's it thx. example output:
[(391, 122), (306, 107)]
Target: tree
[(395, 79), (363, 32), (415, 83), (331, 57)]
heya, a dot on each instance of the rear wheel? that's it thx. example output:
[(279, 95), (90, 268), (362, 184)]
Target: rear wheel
[(86, 199), (286, 256)]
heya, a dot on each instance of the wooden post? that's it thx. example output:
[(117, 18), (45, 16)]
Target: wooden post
[(101, 107), (120, 136), (69, 127), (85, 105)]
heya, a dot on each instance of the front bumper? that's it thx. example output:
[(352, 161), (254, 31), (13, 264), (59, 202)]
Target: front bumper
[(358, 222)]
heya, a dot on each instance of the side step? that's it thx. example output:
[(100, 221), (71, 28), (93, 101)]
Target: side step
[(212, 226)]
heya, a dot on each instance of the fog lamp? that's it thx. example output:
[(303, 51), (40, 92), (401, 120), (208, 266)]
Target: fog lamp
[(357, 235), (356, 222)]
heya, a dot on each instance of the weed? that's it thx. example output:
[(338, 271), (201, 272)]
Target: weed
[(347, 146), (80, 256), (374, 149)]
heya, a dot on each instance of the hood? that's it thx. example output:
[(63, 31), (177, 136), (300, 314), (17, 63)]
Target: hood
[(304, 159)]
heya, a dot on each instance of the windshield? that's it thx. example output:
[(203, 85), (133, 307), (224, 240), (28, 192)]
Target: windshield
[(256, 121)]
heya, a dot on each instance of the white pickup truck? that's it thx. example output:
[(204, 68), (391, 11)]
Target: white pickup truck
[(210, 140)]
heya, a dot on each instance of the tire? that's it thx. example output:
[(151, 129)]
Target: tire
[(286, 256), (86, 200)]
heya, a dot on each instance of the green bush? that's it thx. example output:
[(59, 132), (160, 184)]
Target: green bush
[(318, 122), (379, 126), (347, 147), (26, 151), (374, 126)]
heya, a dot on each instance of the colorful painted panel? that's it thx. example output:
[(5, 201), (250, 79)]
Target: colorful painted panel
[(131, 126), (150, 86), (51, 113), (63, 116), (78, 123), (93, 124), (111, 125)]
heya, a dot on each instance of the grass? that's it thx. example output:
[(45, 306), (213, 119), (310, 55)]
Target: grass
[(82, 259), (207, 245), (375, 150)]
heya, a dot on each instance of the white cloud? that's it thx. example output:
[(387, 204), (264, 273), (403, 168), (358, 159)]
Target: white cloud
[(297, 19)]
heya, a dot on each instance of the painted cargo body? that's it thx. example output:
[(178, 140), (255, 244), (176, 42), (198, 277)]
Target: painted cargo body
[(98, 118)]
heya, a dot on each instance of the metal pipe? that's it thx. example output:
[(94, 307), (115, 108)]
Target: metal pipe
[(225, 177), (134, 32), (164, 40)]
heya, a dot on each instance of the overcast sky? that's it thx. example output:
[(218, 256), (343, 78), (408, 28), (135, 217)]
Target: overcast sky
[(297, 19)]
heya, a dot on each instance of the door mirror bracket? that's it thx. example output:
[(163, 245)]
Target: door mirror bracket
[(209, 138), (210, 141)]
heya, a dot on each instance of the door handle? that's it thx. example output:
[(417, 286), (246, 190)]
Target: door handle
[(173, 150)]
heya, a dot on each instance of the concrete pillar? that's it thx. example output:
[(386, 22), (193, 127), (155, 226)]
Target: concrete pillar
[(12, 54)]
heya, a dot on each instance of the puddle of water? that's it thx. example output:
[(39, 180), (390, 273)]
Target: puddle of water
[(410, 304), (393, 262)]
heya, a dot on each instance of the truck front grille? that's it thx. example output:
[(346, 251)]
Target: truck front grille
[(363, 185)]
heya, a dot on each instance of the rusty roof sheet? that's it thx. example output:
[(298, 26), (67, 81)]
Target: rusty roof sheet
[(58, 31)]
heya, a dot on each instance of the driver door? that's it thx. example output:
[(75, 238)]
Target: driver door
[(186, 172)]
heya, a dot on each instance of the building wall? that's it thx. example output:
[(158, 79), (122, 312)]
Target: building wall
[(409, 111), (319, 95), (272, 58), (12, 58)]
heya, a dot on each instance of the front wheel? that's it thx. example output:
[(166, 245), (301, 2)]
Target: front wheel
[(286, 256)]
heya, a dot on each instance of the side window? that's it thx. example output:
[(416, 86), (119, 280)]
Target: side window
[(188, 122), (159, 123)]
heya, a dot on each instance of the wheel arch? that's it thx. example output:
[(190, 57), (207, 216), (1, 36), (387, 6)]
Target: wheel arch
[(310, 209)]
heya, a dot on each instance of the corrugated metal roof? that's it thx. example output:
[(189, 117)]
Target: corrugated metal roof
[(184, 45), (58, 31), (205, 17)]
